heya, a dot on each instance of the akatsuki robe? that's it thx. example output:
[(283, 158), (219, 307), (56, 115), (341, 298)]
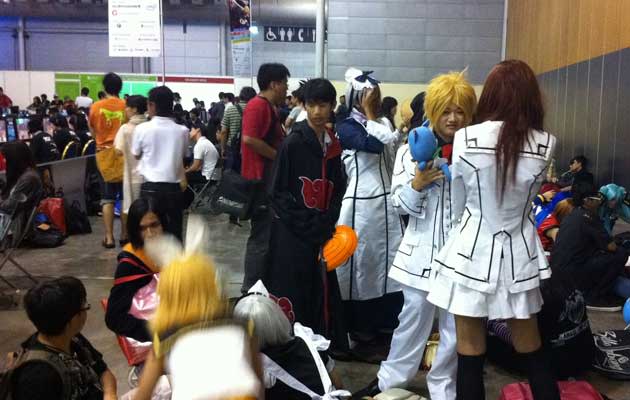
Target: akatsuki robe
[(305, 194)]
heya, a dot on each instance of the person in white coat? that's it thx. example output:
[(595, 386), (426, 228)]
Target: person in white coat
[(492, 264), (426, 196), (367, 209)]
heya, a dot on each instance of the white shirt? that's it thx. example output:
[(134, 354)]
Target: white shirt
[(83, 102), (162, 145), (206, 152)]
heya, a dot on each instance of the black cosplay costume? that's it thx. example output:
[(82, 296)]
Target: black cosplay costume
[(305, 194)]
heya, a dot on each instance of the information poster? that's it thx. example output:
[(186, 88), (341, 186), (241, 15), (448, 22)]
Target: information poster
[(240, 38), (134, 28)]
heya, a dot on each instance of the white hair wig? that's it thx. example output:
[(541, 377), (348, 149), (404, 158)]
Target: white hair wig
[(271, 326)]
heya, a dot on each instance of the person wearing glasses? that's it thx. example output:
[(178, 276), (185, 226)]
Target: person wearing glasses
[(135, 271), (62, 363)]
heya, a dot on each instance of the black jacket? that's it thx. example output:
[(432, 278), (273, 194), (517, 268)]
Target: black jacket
[(117, 317)]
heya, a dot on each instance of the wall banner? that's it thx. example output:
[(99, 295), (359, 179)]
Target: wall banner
[(240, 38)]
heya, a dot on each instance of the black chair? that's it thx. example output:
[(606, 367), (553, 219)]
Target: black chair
[(10, 243), (71, 150)]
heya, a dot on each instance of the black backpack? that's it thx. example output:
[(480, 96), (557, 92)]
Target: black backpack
[(612, 354), (77, 221), (17, 359)]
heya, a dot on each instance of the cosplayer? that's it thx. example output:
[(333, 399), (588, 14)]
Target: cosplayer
[(616, 204), (492, 264), (294, 359), (306, 190), (205, 356), (426, 197), (367, 209)]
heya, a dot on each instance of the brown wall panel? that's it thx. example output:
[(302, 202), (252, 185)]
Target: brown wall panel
[(553, 34)]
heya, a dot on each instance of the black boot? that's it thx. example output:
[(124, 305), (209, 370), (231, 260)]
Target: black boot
[(541, 379), (470, 377)]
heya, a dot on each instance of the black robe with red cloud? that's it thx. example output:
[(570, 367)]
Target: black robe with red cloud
[(305, 194)]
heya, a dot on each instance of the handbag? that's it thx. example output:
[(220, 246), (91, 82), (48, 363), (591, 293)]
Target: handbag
[(237, 196), (110, 164)]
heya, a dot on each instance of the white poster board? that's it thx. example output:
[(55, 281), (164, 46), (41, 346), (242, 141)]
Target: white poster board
[(134, 28)]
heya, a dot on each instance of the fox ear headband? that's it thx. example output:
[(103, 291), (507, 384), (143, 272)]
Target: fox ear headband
[(166, 248), (358, 81)]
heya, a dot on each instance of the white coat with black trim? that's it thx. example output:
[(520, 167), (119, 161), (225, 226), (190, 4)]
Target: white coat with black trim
[(492, 234), (432, 214)]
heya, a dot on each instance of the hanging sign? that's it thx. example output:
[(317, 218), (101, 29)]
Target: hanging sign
[(293, 34), (134, 28)]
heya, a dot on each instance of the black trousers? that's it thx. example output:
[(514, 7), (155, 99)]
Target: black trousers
[(599, 273), (257, 249), (168, 197)]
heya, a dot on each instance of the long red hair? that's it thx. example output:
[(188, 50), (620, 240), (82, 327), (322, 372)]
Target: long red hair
[(511, 94)]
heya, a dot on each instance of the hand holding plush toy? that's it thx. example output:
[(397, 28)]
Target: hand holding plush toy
[(423, 147)]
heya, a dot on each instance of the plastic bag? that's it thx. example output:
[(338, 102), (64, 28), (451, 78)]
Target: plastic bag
[(54, 209)]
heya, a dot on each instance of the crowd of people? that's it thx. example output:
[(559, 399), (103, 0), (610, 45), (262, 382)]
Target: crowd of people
[(463, 234)]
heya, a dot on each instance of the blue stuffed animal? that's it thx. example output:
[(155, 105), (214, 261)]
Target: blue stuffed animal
[(423, 146)]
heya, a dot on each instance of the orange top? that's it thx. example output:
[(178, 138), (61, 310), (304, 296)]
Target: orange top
[(106, 117)]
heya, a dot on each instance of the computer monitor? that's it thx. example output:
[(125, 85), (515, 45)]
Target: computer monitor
[(22, 128), (11, 130), (3, 131)]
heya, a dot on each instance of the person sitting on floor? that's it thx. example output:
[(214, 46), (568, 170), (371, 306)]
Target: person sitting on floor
[(616, 205), (206, 355), (577, 173), (22, 190), (63, 364), (549, 227), (295, 364), (584, 247), (564, 329), (135, 272)]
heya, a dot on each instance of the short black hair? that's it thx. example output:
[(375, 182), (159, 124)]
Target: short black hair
[(138, 102), (194, 111), (44, 96), (319, 90), (51, 305), (137, 210), (230, 97), (271, 72), (35, 124), (85, 91), (79, 122), (101, 94), (299, 93), (247, 93), (581, 159), (59, 120), (163, 99), (112, 84)]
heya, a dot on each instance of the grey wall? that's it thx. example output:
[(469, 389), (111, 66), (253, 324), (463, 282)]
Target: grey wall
[(8, 56), (412, 40), (298, 57), (587, 108)]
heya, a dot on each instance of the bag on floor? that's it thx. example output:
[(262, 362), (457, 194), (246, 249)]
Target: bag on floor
[(612, 354), (46, 238), (569, 390), (54, 209), (77, 220)]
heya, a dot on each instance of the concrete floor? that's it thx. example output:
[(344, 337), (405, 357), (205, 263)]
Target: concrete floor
[(83, 257)]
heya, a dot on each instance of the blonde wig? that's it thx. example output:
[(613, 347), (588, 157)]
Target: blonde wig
[(189, 293), (446, 89)]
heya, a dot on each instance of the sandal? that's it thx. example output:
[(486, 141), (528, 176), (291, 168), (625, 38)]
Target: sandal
[(108, 245)]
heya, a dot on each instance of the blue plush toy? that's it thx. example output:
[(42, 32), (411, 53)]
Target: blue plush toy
[(423, 146), (626, 312)]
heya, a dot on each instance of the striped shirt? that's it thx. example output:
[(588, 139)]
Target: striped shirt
[(232, 120)]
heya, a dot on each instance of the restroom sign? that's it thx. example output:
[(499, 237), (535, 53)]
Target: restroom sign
[(293, 34)]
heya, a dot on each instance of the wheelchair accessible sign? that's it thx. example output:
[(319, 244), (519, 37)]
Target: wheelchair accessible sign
[(292, 34)]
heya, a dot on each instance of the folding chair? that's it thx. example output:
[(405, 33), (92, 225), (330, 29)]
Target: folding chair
[(14, 244), (203, 193), (71, 150)]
